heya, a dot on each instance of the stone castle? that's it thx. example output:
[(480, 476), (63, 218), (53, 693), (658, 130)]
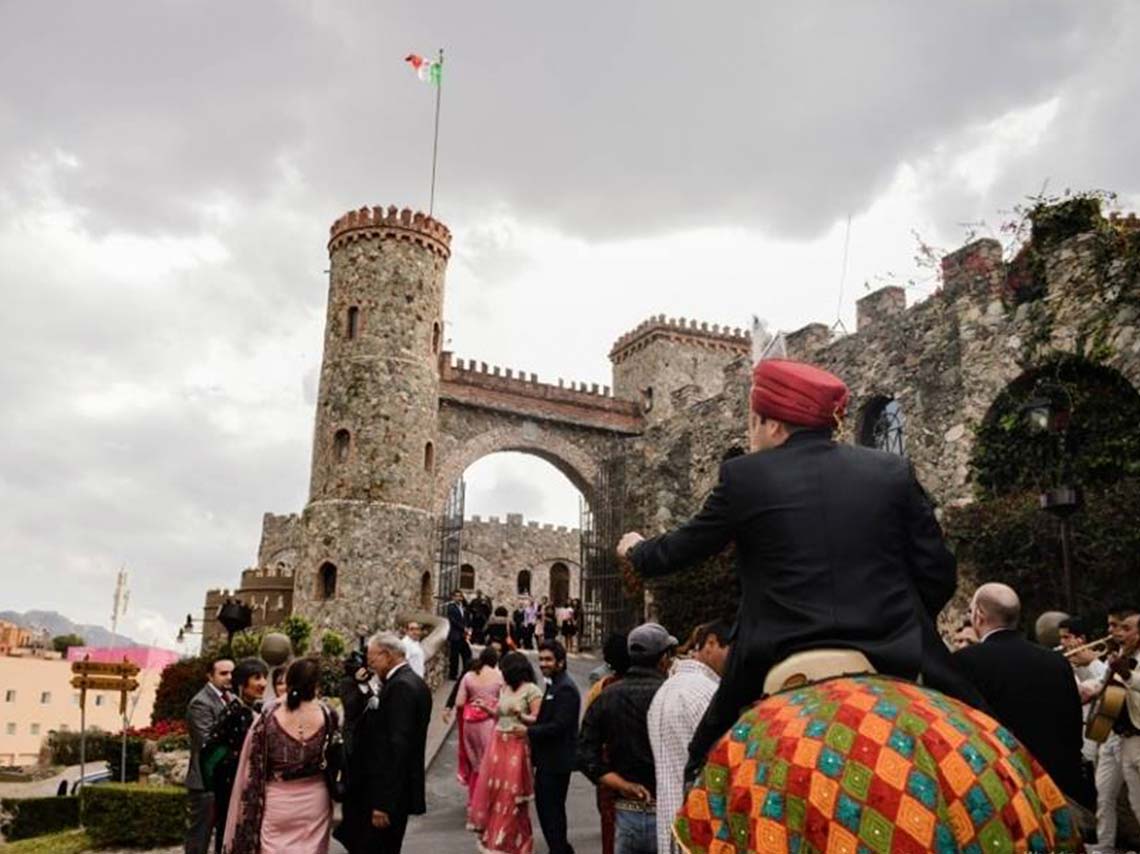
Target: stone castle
[(399, 420)]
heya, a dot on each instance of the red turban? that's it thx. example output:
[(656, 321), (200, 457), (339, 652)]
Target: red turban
[(798, 393)]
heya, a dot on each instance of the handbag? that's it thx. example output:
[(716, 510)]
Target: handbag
[(334, 759)]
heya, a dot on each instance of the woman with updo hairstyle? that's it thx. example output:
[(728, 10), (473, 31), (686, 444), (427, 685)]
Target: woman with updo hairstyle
[(476, 704), (280, 801)]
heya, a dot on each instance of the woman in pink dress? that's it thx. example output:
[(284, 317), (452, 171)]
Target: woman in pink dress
[(500, 805), (476, 705), (280, 802)]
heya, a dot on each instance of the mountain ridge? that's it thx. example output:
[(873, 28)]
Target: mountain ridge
[(57, 624)]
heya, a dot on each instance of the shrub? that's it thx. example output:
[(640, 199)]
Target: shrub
[(179, 683), (139, 816), (68, 842), (299, 631), (64, 746), (332, 644), (38, 816), (247, 644), (134, 758)]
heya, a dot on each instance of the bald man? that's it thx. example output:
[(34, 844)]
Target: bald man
[(1030, 689)]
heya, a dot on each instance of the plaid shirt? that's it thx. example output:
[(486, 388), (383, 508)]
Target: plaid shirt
[(614, 736), (673, 717)]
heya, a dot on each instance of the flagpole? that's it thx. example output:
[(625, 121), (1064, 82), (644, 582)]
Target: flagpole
[(435, 142)]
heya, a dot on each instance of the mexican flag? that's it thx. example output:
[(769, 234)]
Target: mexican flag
[(428, 70)]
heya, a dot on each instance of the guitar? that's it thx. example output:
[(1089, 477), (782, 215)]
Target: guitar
[(1108, 705)]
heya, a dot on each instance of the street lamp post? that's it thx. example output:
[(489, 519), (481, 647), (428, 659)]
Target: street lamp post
[(1044, 413)]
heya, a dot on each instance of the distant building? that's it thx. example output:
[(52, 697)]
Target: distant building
[(36, 697), (13, 637), (267, 590)]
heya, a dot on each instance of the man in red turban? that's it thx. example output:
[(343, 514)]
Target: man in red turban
[(836, 546)]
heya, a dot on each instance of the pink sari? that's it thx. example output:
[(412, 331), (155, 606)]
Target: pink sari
[(499, 809), (476, 728), (295, 815)]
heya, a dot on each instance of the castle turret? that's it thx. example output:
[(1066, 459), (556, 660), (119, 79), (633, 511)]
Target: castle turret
[(368, 525)]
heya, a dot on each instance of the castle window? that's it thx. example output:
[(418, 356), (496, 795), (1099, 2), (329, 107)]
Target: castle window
[(429, 457), (425, 591), (436, 335), (352, 322), (467, 577), (341, 441), (881, 426), (326, 581), (559, 584), (523, 583)]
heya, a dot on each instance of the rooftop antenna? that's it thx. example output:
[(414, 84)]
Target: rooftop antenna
[(122, 599), (842, 280)]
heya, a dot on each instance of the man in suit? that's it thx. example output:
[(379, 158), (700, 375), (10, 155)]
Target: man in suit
[(458, 619), (203, 712), (554, 745), (387, 762), (836, 546), (1030, 689)]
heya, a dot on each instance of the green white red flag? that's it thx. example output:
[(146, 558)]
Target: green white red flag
[(428, 70)]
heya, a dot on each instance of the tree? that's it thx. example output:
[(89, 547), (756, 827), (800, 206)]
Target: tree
[(62, 643), (299, 631), (178, 684)]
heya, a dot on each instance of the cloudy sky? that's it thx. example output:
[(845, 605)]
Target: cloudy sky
[(168, 172)]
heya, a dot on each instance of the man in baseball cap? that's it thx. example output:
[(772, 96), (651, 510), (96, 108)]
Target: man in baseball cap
[(613, 746), (836, 546)]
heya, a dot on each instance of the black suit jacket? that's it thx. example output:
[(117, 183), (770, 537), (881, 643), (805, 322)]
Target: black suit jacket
[(1032, 691), (836, 545), (554, 736), (389, 746), (457, 619)]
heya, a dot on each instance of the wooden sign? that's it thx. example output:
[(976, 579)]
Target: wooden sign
[(104, 683), (104, 668)]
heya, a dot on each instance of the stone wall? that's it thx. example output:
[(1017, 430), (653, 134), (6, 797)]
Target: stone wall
[(498, 550)]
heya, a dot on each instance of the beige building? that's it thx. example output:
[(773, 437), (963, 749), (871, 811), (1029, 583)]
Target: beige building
[(36, 697)]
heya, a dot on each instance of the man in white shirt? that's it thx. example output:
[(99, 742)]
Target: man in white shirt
[(674, 714), (413, 650)]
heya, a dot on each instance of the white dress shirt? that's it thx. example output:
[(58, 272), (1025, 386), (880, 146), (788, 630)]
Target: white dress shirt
[(414, 655)]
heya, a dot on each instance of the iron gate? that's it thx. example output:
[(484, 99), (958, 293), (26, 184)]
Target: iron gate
[(450, 531), (606, 605)]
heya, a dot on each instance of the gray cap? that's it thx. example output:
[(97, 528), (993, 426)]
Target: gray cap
[(649, 639)]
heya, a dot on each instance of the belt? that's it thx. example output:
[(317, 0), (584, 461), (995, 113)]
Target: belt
[(635, 806)]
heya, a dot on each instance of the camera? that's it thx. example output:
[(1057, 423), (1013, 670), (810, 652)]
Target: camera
[(353, 663)]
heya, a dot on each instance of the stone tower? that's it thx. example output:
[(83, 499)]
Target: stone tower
[(367, 529)]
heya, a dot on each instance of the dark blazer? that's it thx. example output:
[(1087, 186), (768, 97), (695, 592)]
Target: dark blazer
[(457, 619), (203, 712), (554, 736), (836, 545), (1032, 691)]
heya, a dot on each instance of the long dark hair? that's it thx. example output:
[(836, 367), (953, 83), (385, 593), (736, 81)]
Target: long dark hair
[(516, 669), (489, 657), (301, 681)]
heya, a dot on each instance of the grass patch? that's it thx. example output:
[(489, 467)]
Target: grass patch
[(68, 842)]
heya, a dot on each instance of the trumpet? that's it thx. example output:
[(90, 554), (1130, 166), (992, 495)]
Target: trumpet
[(1105, 643)]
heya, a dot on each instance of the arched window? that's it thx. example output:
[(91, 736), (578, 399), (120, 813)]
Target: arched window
[(425, 591), (467, 577), (326, 581), (341, 441), (352, 322), (882, 426), (523, 583), (559, 584), (429, 457), (436, 335)]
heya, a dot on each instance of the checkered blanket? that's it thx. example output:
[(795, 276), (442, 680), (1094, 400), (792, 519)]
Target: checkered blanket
[(872, 765)]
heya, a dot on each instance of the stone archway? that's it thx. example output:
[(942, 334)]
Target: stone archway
[(559, 584)]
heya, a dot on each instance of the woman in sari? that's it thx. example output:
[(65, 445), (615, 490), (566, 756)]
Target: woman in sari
[(869, 762), (476, 703), (280, 802), (500, 805)]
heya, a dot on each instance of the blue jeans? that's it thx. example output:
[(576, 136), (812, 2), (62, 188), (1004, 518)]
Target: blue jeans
[(635, 832)]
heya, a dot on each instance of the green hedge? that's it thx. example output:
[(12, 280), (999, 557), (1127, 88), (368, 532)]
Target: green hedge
[(37, 816), (134, 758), (138, 816), (64, 746)]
